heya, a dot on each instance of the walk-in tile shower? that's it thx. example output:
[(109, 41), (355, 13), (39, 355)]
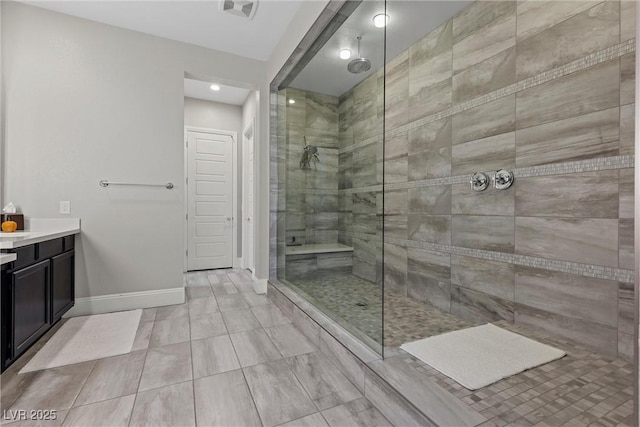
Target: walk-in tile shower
[(382, 221)]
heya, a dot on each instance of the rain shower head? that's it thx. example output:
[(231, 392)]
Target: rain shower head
[(360, 64)]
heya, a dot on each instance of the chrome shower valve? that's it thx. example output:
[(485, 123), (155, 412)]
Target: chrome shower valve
[(479, 181), (502, 179)]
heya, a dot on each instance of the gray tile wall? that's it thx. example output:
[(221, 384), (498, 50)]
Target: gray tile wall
[(311, 195), (545, 88), (360, 169)]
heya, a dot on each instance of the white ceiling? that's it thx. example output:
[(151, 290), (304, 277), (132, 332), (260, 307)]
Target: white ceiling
[(201, 22), (409, 21), (202, 90)]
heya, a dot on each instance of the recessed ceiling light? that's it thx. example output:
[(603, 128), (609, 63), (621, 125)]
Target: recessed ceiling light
[(344, 53), (215, 87), (292, 101), (380, 20)]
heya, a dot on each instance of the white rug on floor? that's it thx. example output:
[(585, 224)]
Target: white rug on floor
[(88, 338), (479, 356)]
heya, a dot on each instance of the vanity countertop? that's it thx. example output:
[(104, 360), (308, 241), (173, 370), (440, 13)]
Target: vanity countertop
[(7, 258), (39, 230)]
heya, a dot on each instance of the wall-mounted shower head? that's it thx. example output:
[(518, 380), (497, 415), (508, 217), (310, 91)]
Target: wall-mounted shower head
[(360, 64)]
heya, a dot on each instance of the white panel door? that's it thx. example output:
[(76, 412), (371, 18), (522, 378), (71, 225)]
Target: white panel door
[(209, 200), (247, 247)]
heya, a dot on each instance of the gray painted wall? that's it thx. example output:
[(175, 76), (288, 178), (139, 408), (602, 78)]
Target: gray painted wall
[(88, 101)]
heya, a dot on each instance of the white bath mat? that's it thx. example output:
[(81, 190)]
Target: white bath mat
[(88, 338), (479, 356)]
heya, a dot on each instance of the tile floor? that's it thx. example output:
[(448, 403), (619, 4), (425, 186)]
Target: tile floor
[(405, 319), (227, 357), (582, 389)]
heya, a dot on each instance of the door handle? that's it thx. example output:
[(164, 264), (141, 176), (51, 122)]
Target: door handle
[(248, 218), (229, 218)]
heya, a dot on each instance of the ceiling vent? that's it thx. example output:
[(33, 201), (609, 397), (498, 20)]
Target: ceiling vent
[(243, 8)]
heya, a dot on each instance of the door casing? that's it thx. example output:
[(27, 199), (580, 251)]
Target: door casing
[(248, 251)]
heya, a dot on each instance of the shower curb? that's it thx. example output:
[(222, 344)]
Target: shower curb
[(427, 405)]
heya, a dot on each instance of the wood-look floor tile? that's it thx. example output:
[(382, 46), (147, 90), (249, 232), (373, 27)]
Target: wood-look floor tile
[(277, 393), (196, 292), (172, 312), (225, 288), (55, 388), (148, 315), (169, 331), (169, 364), (109, 413), (356, 413), (13, 385), (243, 280), (254, 347), (113, 377), (322, 380), (421, 391), (167, 406), (255, 300), (197, 278), (202, 306), (207, 325), (143, 336), (270, 315), (396, 409), (289, 341), (240, 320), (224, 400), (313, 420), (231, 302), (213, 356), (244, 288)]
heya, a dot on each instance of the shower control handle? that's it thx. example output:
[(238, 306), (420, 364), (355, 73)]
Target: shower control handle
[(479, 181), (502, 179)]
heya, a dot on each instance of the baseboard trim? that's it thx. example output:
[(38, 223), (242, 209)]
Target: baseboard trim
[(259, 285), (129, 301)]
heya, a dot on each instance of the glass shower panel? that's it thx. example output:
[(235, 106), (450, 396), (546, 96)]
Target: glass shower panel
[(332, 163)]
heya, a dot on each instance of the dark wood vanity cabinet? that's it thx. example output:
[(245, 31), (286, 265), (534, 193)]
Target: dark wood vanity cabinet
[(37, 289), (62, 284), (30, 309)]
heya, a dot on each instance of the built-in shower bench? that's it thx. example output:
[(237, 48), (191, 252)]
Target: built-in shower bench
[(306, 259)]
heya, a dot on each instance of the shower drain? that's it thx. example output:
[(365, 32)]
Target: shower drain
[(361, 304)]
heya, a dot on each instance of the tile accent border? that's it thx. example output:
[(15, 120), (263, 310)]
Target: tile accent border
[(587, 270), (590, 165), (580, 166)]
